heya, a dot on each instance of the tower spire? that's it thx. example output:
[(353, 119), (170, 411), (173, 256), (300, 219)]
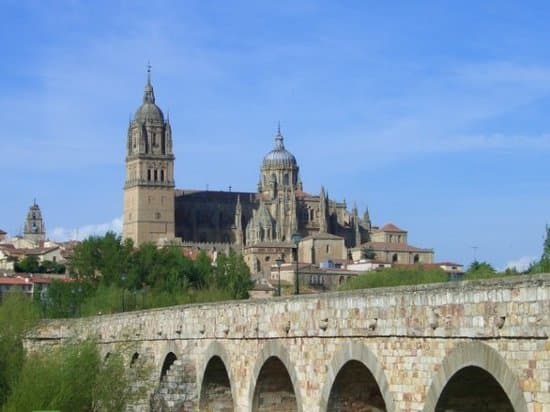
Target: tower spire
[(149, 95), (279, 145)]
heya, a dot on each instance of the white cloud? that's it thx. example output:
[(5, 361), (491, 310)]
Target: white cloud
[(62, 234), (521, 264)]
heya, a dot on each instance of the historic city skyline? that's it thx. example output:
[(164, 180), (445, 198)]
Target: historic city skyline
[(442, 135)]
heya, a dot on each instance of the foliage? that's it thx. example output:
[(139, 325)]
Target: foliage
[(480, 270), (17, 316), (71, 378), (112, 276), (367, 253), (543, 265), (63, 299), (30, 264), (102, 258), (395, 277), (232, 274)]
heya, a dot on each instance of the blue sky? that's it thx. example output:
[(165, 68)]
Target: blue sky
[(432, 114)]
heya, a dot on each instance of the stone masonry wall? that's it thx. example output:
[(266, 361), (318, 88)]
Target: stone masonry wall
[(412, 340)]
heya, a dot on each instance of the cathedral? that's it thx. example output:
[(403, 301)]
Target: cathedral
[(268, 224)]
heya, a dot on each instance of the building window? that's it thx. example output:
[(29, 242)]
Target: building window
[(149, 175), (394, 258), (162, 175), (285, 179), (156, 176), (157, 215), (416, 258)]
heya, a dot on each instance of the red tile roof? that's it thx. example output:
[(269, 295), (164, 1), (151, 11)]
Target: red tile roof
[(390, 227), (393, 247)]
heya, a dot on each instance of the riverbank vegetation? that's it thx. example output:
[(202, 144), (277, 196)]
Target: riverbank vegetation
[(73, 378), (109, 275)]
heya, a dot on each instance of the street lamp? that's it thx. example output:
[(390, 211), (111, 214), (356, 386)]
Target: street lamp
[(123, 278), (279, 262), (296, 239)]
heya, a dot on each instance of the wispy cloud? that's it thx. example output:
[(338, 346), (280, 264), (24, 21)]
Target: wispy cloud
[(61, 234)]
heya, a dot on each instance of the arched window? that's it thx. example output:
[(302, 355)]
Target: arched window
[(149, 175), (416, 258), (162, 175), (394, 258), (285, 179), (156, 176)]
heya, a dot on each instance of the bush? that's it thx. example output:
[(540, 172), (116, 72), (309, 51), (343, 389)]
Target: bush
[(17, 316), (395, 277), (70, 378)]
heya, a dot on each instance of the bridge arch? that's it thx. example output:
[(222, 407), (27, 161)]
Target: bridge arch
[(274, 354), (216, 373), (348, 354), (476, 355), (168, 355)]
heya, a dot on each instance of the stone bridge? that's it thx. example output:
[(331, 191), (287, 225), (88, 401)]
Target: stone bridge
[(464, 346)]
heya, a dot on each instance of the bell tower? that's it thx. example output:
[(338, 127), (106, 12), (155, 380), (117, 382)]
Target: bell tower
[(149, 188)]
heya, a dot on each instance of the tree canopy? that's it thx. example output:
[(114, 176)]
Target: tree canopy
[(110, 275)]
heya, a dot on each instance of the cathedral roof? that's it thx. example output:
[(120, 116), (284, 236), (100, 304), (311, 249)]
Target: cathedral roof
[(390, 227), (279, 156), (149, 111)]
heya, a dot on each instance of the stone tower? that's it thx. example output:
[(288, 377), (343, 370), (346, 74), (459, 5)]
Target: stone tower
[(35, 230), (149, 189)]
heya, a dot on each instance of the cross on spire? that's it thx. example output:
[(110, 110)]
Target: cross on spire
[(149, 72)]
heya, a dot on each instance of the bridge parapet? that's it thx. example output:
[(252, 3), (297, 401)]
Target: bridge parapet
[(507, 307), (411, 339)]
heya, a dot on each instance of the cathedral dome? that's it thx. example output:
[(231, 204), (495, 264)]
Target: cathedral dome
[(149, 110), (279, 156)]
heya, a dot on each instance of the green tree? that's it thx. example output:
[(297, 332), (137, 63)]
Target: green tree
[(17, 316), (543, 265), (71, 378), (29, 264), (64, 299), (101, 258), (367, 253), (231, 273), (48, 266), (479, 270)]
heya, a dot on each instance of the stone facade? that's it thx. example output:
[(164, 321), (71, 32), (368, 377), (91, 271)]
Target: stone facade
[(149, 189), (263, 225), (35, 229), (420, 348)]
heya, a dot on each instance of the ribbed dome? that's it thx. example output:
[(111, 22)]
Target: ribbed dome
[(149, 110), (279, 156)]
